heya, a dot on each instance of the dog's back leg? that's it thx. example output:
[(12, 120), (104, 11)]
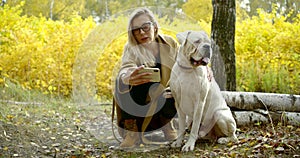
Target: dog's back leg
[(226, 127)]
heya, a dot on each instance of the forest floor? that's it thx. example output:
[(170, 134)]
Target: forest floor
[(62, 129)]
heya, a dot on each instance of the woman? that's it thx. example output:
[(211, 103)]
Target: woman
[(135, 96)]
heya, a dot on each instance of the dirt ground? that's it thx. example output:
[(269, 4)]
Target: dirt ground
[(65, 130)]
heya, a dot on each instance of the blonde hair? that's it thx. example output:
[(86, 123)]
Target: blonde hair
[(136, 13)]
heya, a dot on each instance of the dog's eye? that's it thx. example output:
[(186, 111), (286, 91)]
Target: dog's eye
[(198, 41)]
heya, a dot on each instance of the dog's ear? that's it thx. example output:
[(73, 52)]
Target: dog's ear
[(205, 35), (181, 36)]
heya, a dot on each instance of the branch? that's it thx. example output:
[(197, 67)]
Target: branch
[(20, 103)]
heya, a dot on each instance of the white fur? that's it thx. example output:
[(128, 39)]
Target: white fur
[(198, 100)]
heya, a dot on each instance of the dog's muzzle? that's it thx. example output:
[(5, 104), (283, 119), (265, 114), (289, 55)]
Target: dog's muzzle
[(206, 57), (202, 61)]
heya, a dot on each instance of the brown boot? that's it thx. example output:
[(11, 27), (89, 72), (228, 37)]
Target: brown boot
[(169, 131), (131, 134)]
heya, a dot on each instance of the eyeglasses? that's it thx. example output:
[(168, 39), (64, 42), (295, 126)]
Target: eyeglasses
[(145, 27)]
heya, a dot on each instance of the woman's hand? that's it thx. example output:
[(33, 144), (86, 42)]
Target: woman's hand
[(133, 77)]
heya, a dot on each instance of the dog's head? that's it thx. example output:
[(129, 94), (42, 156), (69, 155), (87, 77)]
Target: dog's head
[(196, 47)]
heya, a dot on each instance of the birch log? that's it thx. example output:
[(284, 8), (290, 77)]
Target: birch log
[(244, 118), (268, 101)]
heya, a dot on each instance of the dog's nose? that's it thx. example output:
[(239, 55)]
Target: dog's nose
[(206, 46)]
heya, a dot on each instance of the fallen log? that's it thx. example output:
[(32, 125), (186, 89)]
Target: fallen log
[(244, 118), (268, 101)]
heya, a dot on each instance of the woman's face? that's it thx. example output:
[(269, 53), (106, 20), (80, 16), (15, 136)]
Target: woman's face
[(143, 29)]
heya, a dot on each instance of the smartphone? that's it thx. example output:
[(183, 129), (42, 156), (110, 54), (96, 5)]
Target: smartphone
[(155, 76)]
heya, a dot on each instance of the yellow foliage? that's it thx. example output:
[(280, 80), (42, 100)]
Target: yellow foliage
[(268, 54), (58, 57), (199, 9), (39, 53)]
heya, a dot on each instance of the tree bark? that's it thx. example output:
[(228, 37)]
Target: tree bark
[(267, 101), (223, 33), (244, 118)]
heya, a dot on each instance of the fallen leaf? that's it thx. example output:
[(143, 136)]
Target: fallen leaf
[(65, 137), (267, 146), (9, 117), (103, 156), (44, 147), (47, 151), (257, 146), (4, 132), (56, 144), (174, 156), (197, 154), (34, 144), (279, 149), (233, 147)]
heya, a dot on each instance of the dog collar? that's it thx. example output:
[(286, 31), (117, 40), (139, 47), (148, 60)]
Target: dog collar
[(184, 67)]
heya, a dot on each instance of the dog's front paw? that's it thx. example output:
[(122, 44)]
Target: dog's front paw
[(223, 140), (176, 144), (189, 146)]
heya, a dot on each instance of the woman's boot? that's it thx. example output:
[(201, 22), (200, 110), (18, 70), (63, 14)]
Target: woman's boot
[(168, 130), (131, 134)]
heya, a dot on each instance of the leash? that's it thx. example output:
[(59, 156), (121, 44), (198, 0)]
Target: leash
[(112, 121), (154, 96)]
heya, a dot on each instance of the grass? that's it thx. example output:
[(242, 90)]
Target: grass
[(47, 126)]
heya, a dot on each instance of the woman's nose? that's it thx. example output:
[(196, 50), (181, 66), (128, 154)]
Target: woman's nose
[(142, 31)]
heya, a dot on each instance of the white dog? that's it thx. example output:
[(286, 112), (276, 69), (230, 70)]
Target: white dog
[(197, 95)]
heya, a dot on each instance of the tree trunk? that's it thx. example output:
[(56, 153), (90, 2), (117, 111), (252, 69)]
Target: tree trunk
[(223, 32), (51, 9), (267, 101)]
